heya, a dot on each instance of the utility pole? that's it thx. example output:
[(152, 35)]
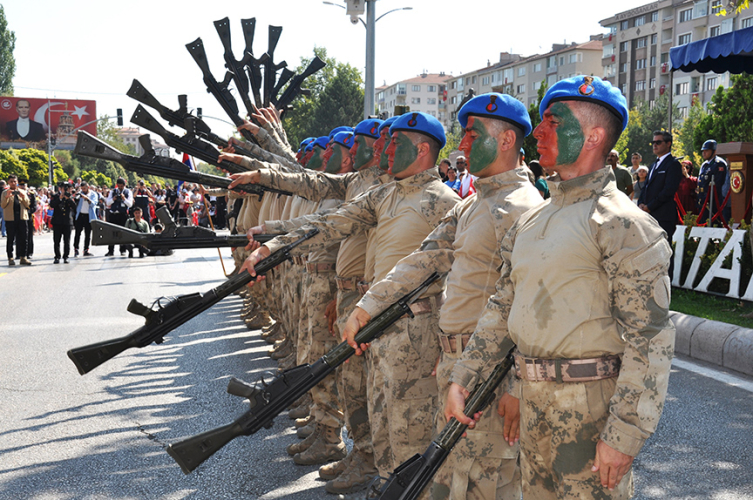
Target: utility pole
[(368, 100)]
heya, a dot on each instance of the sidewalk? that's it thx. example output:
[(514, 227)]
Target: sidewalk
[(723, 344)]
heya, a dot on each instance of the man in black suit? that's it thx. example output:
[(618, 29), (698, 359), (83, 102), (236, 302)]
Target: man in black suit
[(658, 195), (23, 128)]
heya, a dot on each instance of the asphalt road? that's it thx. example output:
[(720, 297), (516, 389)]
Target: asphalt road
[(102, 435)]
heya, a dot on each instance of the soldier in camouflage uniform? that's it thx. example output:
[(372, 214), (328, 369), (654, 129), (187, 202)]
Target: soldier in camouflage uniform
[(402, 391), (584, 294), (465, 245)]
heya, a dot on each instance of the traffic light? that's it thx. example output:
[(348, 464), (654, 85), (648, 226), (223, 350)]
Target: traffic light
[(120, 117), (198, 113)]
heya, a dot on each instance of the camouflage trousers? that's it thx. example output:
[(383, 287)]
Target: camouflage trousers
[(402, 393), (300, 330), (351, 381), (482, 466), (560, 425), (320, 291)]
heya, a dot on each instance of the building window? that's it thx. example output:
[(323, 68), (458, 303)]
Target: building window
[(624, 25), (485, 81), (473, 79), (640, 21), (432, 88), (415, 100), (551, 62), (536, 85), (652, 83), (537, 67), (453, 85), (551, 80), (624, 46), (686, 15), (654, 39), (454, 99), (431, 100), (623, 89), (682, 112), (654, 16), (653, 61), (574, 58), (682, 88), (521, 88), (624, 68), (716, 6), (640, 43), (401, 89), (684, 39), (711, 83), (715, 31), (522, 71), (640, 64), (651, 104), (416, 88), (746, 23), (640, 85), (562, 60)]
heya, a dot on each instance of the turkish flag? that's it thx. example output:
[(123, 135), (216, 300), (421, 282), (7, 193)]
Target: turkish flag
[(21, 118)]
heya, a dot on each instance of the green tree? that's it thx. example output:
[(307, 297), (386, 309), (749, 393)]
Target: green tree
[(37, 165), (10, 164), (7, 61), (454, 136), (642, 122), (529, 143), (729, 118), (686, 136), (734, 6), (336, 99)]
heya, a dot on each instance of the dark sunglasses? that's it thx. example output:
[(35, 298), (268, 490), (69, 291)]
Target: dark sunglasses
[(658, 142)]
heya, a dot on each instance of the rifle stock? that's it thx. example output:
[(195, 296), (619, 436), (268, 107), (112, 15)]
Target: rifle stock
[(269, 399), (270, 67), (294, 88), (177, 311), (410, 478), (233, 65)]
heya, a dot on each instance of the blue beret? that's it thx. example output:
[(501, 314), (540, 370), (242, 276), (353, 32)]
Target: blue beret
[(321, 142), (344, 139), (369, 128), (498, 106), (710, 144), (387, 123), (339, 129), (306, 141), (588, 89), (421, 123)]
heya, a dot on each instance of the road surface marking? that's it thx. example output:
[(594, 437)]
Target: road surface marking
[(728, 379)]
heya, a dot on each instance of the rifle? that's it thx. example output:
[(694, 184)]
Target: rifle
[(294, 88), (219, 90), (412, 476), (269, 399), (189, 143), (166, 317), (173, 237), (270, 68), (253, 65), (235, 66), (181, 117), (161, 166)]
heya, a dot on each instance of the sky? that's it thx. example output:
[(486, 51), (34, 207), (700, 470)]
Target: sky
[(93, 49)]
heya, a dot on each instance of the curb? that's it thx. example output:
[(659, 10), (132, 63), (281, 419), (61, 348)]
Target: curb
[(723, 344)]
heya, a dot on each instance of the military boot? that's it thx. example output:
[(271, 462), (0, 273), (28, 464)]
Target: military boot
[(303, 422), (278, 335), (359, 473), (296, 448), (270, 330), (287, 362), (279, 346), (327, 447), (334, 469), (304, 401), (305, 431), (284, 351), (259, 320), (250, 311)]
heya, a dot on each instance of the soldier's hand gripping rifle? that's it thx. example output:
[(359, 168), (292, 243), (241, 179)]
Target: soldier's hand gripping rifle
[(173, 236), (219, 90), (181, 117), (269, 399), (412, 476), (161, 166), (172, 313)]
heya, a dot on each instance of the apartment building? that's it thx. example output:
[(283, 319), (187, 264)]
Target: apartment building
[(424, 93), (130, 135), (522, 77), (636, 49)]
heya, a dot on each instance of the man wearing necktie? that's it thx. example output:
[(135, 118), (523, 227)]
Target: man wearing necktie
[(658, 195)]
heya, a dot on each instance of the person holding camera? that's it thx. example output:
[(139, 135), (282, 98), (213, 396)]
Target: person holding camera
[(118, 203), (137, 223), (63, 209), (15, 204), (86, 205), (23, 184)]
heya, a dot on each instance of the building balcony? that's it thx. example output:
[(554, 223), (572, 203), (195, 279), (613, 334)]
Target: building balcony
[(551, 69)]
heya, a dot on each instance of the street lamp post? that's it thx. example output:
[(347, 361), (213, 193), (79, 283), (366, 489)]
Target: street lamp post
[(370, 25)]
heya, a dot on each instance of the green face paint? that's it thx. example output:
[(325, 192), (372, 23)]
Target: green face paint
[(483, 148), (405, 153), (384, 162), (364, 153), (315, 163), (570, 137), (334, 164)]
